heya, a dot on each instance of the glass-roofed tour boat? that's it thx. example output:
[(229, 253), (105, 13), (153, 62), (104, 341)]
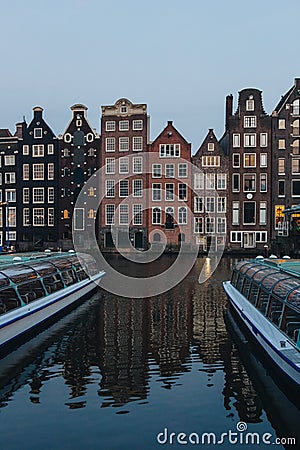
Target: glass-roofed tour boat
[(266, 296), (35, 288)]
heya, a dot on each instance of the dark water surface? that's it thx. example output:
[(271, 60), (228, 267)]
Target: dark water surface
[(115, 372)]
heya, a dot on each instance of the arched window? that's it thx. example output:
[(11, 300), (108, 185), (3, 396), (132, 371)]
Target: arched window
[(78, 156), (156, 237), (182, 215), (91, 214), (156, 216), (78, 138), (296, 107), (68, 137), (295, 146), (91, 192), (169, 218), (89, 137), (295, 130), (78, 176), (66, 214)]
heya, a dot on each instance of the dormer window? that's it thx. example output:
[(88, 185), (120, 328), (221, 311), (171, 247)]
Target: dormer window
[(123, 109), (250, 104), (37, 133)]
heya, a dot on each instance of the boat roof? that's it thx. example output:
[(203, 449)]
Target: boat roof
[(278, 276)]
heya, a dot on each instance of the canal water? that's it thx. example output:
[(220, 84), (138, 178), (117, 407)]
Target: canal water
[(126, 374)]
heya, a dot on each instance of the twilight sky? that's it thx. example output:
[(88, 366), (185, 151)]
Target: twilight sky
[(181, 57)]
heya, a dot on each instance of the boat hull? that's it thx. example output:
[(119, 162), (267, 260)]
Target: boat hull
[(21, 321), (266, 334)]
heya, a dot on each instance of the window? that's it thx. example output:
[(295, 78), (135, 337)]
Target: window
[(250, 140), (221, 225), (279, 216), (124, 125), (124, 165), (235, 213), (10, 178), (281, 187), (137, 125), (169, 150), (50, 149), (263, 160), (25, 149), (235, 236), (137, 188), (156, 216), (182, 191), (156, 171), (281, 166), (91, 192), (26, 217), (235, 182), (281, 144), (38, 217), (38, 195), (210, 181), (10, 195), (156, 191), (199, 180), (263, 139), (249, 160), (66, 152), (182, 170), (210, 225), (123, 144), (124, 188), (50, 217), (249, 213), (109, 165), (137, 143), (221, 202), (50, 171), (92, 152), (281, 124), (37, 133), (137, 164), (250, 103), (38, 171), (123, 109), (170, 172), (211, 147), (296, 107), (50, 194), (295, 146), (109, 214), (261, 236), (110, 144), (123, 214), (263, 182), (249, 182), (295, 128), (37, 150), (198, 224), (295, 166), (182, 215), (109, 188), (169, 221), (221, 181), (137, 214), (296, 188), (210, 204), (236, 160), (236, 140), (25, 195), (198, 204), (110, 125), (169, 192), (9, 160), (263, 213), (249, 121), (210, 161)]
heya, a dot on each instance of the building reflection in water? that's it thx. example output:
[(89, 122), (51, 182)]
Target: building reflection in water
[(122, 344)]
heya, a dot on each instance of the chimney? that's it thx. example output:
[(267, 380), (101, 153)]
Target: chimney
[(229, 106), (37, 113)]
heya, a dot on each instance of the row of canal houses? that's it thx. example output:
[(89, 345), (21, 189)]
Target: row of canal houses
[(231, 193)]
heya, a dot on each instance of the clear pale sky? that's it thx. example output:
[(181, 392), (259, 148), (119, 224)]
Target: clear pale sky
[(180, 57)]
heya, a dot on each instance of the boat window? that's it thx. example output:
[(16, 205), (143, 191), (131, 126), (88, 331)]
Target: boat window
[(292, 324), (81, 274), (62, 263), (9, 300), (240, 282), (263, 301), (4, 281), (31, 291), (294, 298), (253, 293), (246, 287), (234, 278), (275, 310), (43, 268), (263, 274), (53, 283), (243, 266), (273, 278), (19, 273), (89, 263), (284, 287), (69, 277)]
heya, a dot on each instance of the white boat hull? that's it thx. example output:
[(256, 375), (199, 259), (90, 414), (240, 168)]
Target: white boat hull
[(21, 320), (279, 348)]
